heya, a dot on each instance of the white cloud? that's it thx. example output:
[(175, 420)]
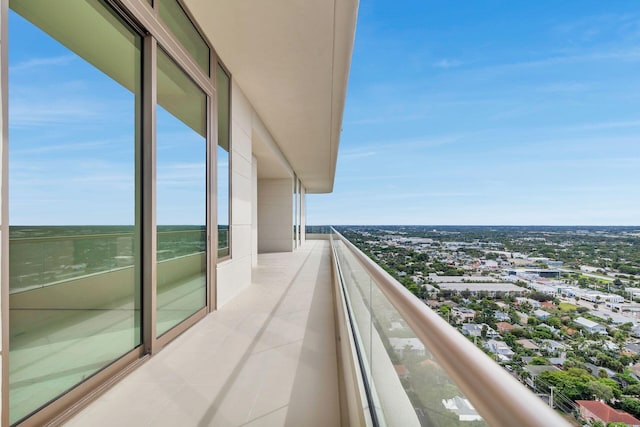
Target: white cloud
[(564, 87), (357, 154), (75, 147), (42, 62), (374, 148), (447, 63), (632, 54), (27, 114), (622, 124)]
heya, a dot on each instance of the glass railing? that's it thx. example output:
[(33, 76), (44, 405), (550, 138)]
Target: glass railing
[(418, 370), (42, 256), (317, 229)]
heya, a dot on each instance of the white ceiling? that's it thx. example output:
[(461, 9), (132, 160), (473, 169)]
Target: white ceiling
[(291, 58)]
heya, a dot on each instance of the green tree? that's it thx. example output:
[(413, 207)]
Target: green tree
[(631, 405), (600, 391), (554, 321), (632, 390), (509, 339), (615, 387), (573, 383), (539, 361)]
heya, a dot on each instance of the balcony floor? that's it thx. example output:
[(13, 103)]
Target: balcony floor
[(267, 358)]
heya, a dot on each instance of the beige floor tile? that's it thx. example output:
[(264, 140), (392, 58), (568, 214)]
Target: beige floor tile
[(267, 358)]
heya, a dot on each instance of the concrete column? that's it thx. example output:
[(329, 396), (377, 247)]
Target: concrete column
[(275, 215)]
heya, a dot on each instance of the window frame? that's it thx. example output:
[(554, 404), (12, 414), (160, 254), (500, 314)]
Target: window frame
[(229, 255), (143, 17)]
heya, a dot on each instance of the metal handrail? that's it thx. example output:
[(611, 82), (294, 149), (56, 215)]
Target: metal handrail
[(498, 397)]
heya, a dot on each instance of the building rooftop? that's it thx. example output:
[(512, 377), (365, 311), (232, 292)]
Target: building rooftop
[(486, 286), (586, 322), (606, 413)]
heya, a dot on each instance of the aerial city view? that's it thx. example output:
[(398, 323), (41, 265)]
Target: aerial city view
[(557, 307)]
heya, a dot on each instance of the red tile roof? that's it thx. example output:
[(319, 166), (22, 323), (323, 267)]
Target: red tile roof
[(504, 326), (606, 413)]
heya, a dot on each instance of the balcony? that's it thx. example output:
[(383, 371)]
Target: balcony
[(321, 337), (266, 358)]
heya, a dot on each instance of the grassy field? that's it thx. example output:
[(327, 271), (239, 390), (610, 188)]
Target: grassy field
[(565, 306)]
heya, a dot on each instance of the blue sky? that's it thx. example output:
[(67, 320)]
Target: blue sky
[(491, 112)]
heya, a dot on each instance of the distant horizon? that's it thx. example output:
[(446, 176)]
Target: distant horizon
[(473, 225)]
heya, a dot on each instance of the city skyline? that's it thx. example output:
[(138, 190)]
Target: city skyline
[(526, 115)]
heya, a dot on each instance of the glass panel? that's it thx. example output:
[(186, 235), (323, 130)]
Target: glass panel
[(181, 196), (73, 239), (407, 384), (295, 212), (179, 23), (223, 163), (303, 215), (299, 214)]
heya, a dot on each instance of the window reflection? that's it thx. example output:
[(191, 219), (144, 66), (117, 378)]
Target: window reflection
[(224, 231), (73, 245), (181, 196)]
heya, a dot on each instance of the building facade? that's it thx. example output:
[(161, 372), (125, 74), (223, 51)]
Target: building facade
[(150, 151)]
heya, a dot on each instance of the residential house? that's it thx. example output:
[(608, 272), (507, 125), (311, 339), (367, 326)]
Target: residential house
[(405, 345), (463, 313), (463, 408), (504, 327), (594, 410), (552, 346), (541, 314), (632, 348), (533, 303), (527, 343), (595, 370), (475, 330), (635, 369), (558, 361), (590, 326), (501, 316), (500, 349), (535, 370)]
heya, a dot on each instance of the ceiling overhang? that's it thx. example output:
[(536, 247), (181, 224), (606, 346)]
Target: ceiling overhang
[(291, 59)]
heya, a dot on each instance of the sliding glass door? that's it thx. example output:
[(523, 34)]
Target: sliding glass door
[(108, 191), (74, 125), (181, 210)]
